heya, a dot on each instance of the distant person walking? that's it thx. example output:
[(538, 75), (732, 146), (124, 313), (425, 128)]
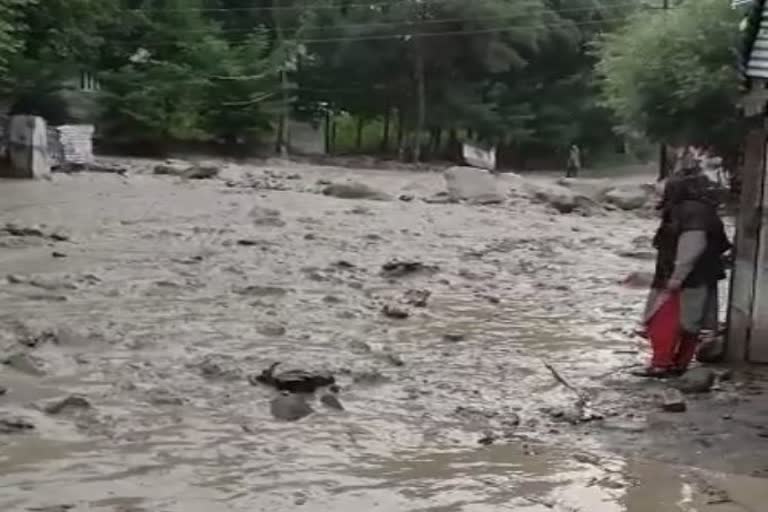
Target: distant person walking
[(573, 168)]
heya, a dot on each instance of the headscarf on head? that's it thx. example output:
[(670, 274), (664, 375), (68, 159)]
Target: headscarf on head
[(689, 184)]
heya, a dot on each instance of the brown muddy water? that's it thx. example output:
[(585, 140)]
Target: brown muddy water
[(166, 294)]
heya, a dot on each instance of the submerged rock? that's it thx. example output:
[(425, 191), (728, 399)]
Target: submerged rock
[(293, 381), (331, 401), (698, 380), (417, 298), (266, 217), (290, 407), (69, 403), (24, 363), (272, 330), (10, 425), (488, 438), (354, 190), (395, 312), (397, 268), (201, 172)]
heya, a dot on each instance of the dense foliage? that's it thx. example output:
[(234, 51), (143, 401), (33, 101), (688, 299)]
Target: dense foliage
[(418, 75), (674, 75)]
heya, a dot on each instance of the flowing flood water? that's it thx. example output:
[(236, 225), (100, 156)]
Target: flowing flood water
[(155, 298)]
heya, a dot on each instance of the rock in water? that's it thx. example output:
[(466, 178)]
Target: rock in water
[(396, 268), (698, 380), (201, 172), (395, 312), (15, 425), (673, 401), (71, 402), (417, 298), (293, 381), (290, 407), (474, 185), (172, 168), (24, 363), (331, 401), (354, 190), (627, 198)]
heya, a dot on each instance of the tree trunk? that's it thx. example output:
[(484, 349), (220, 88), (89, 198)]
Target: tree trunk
[(401, 133), (385, 135), (359, 134), (333, 135), (421, 94), (438, 140), (282, 133), (327, 134)]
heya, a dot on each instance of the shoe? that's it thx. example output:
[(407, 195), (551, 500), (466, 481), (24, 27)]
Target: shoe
[(655, 372)]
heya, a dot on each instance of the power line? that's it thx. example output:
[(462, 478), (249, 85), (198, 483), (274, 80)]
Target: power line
[(406, 35), (612, 5), (330, 6)]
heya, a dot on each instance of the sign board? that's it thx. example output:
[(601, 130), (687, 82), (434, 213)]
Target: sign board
[(479, 157)]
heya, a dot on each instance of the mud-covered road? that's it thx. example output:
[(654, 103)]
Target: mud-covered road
[(151, 299)]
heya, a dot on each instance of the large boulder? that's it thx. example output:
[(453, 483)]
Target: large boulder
[(562, 199), (629, 197), (473, 185)]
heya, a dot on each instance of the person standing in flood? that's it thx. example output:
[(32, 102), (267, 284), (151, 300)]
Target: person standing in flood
[(690, 243), (573, 167)]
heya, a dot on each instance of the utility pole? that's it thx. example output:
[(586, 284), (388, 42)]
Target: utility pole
[(282, 131), (421, 93), (663, 153)]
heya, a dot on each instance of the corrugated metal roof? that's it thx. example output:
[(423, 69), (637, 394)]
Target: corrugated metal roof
[(757, 42)]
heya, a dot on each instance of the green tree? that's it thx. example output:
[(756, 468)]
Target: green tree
[(181, 79), (11, 31), (673, 75)]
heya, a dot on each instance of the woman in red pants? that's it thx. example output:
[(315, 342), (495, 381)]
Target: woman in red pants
[(690, 244)]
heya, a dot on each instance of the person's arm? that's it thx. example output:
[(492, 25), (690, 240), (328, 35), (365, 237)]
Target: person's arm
[(690, 247)]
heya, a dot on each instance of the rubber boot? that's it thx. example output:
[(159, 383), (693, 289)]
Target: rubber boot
[(686, 351)]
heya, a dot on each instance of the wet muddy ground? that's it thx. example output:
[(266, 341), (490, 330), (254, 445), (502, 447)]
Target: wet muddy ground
[(149, 300)]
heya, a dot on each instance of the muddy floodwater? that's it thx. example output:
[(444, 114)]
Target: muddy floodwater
[(151, 299)]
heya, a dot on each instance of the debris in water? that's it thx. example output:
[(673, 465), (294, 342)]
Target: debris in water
[(454, 337), (396, 312), (293, 381)]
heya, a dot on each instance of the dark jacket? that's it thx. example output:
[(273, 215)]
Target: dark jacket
[(690, 211)]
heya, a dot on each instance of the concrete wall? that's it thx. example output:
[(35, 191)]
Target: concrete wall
[(27, 148), (305, 139)]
